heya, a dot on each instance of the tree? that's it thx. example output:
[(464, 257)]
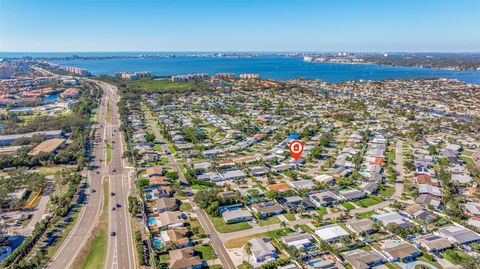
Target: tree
[(248, 249), (150, 137), (203, 198)]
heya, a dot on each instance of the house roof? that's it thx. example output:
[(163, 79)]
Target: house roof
[(360, 225), (330, 232), (459, 234), (183, 258), (361, 259), (401, 250), (260, 247), (432, 241)]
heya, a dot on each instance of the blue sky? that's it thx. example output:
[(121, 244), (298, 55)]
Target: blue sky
[(240, 25)]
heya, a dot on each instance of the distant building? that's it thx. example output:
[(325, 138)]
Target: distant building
[(250, 76), (6, 140), (224, 75), (76, 70), (188, 77)]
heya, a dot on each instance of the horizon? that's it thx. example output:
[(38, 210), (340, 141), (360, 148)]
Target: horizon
[(212, 25)]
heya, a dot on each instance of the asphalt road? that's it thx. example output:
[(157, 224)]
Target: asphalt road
[(120, 253), (90, 212)]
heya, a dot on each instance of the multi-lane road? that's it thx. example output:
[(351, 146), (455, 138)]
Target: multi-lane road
[(120, 253)]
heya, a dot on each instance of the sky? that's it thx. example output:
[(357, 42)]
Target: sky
[(240, 25)]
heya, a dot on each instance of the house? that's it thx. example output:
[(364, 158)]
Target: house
[(429, 189), (170, 219), (327, 179), (351, 195), (459, 234), (176, 237), (462, 179), (259, 170), (234, 175), (361, 259), (428, 200), (154, 171), (263, 250), (157, 181), (434, 243), (417, 211), (295, 202), (472, 208), (282, 168), (167, 204), (302, 184), (369, 187), (331, 233), (278, 187), (397, 250), (211, 176), (324, 198), (302, 241), (267, 209), (393, 218), (202, 167), (184, 258), (237, 215), (426, 179), (361, 226)]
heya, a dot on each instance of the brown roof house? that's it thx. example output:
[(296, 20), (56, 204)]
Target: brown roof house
[(361, 259), (398, 250), (184, 259)]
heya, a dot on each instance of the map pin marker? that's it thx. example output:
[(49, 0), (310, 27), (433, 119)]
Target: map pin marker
[(296, 149)]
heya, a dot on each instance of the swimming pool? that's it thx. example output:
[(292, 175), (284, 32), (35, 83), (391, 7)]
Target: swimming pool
[(157, 243), (152, 221), (149, 196)]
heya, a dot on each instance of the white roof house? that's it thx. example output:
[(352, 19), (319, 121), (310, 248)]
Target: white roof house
[(331, 233), (462, 178), (262, 249)]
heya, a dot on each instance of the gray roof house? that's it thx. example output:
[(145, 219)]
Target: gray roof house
[(263, 250), (459, 234)]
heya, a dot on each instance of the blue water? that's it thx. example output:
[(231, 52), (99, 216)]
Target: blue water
[(274, 67), (152, 221), (51, 98), (157, 243)]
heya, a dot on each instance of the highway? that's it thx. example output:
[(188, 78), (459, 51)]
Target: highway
[(87, 219), (120, 253)]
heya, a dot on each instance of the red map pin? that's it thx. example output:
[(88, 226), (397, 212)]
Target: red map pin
[(296, 149)]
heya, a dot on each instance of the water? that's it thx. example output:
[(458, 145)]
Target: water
[(51, 98), (274, 67)]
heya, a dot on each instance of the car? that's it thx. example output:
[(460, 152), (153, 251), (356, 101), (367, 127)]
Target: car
[(113, 233), (93, 190), (113, 208), (98, 172), (112, 193), (114, 170), (119, 205)]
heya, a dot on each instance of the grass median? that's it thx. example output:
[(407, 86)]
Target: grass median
[(94, 254)]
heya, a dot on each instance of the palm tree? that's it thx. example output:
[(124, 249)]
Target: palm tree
[(283, 224), (248, 250)]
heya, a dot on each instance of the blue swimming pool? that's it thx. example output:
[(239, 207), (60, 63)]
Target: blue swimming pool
[(149, 196), (157, 243), (152, 221)]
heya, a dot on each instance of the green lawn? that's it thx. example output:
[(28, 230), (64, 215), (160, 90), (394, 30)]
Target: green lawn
[(96, 254), (223, 227), (108, 116), (467, 160), (365, 215), (430, 259), (455, 256), (198, 187), (109, 152), (348, 205), (206, 251), (387, 191), (186, 207), (240, 241), (392, 266), (369, 201), (150, 84), (268, 221), (289, 216), (322, 211), (172, 149)]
